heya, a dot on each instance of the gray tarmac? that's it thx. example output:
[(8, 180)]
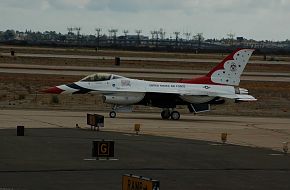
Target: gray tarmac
[(53, 153), (132, 72), (128, 70), (136, 58), (56, 158)]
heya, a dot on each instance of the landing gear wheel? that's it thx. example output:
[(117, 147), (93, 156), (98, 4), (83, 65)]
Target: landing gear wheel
[(165, 114), (175, 115), (113, 114)]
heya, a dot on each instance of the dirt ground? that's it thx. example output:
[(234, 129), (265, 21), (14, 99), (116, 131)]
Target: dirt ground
[(22, 90)]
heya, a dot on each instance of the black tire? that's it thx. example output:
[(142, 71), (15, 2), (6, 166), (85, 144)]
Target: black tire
[(175, 115), (112, 114), (165, 114)]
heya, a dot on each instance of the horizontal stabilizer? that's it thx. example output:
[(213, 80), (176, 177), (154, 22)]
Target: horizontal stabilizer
[(239, 97), (246, 98)]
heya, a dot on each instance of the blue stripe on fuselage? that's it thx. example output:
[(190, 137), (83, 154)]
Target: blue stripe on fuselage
[(81, 90)]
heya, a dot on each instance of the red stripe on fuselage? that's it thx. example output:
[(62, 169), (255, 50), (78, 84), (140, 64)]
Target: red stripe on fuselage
[(53, 90), (199, 80)]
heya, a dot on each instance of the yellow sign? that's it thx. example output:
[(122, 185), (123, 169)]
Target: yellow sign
[(224, 137), (131, 182), (104, 148), (137, 127)]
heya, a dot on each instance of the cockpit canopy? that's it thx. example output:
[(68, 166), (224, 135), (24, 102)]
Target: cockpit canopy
[(100, 77)]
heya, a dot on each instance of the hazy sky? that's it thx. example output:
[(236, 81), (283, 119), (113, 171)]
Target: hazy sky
[(258, 19)]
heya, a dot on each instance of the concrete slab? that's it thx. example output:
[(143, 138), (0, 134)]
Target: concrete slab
[(264, 132)]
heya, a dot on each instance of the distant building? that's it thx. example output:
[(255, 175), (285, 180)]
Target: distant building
[(240, 39), (133, 39)]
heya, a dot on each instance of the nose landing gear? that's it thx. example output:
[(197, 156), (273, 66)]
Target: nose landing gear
[(112, 114)]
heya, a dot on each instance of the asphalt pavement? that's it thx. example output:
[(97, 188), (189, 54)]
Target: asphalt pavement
[(69, 56), (60, 158), (129, 72)]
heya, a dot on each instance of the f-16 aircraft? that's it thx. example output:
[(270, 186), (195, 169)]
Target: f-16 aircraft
[(197, 94)]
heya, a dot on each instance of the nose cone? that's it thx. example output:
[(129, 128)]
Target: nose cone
[(53, 90)]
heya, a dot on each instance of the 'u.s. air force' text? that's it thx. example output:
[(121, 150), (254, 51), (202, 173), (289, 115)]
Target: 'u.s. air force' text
[(168, 85)]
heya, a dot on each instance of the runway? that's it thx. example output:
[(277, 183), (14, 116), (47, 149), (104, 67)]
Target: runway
[(53, 154), (136, 58), (128, 70), (133, 72)]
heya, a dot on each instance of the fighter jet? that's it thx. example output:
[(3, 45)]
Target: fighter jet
[(197, 94)]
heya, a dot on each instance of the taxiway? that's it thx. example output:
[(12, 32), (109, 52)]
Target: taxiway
[(242, 130), (59, 157)]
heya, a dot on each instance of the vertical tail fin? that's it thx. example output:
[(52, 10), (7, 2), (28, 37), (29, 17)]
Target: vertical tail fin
[(227, 72)]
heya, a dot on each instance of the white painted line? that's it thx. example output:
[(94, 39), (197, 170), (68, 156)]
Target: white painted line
[(214, 144), (276, 154), (101, 159)]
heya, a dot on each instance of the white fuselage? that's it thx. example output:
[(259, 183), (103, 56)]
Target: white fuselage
[(131, 91), (198, 93)]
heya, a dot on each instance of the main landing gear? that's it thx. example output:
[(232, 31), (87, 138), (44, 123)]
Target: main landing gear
[(166, 114)]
